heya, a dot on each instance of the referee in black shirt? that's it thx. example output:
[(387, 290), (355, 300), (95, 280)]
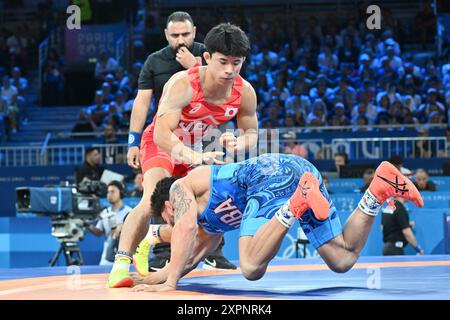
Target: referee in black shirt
[(181, 53), (397, 232)]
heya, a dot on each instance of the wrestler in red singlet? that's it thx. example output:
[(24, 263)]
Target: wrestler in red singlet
[(197, 118)]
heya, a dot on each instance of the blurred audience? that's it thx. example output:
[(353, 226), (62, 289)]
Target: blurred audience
[(425, 23), (314, 72), (138, 190), (398, 162), (367, 178), (422, 181), (53, 79), (105, 65), (340, 160), (326, 183), (9, 95), (294, 147)]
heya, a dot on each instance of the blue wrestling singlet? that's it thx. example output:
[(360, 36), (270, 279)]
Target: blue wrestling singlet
[(247, 194)]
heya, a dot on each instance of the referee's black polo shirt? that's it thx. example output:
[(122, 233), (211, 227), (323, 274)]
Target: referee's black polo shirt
[(160, 66), (394, 223)]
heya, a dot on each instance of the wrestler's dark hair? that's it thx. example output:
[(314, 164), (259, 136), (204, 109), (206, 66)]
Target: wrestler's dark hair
[(228, 40), (180, 16), (161, 195)]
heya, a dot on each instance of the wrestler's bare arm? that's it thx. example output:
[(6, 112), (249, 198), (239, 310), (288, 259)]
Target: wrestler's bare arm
[(184, 231), (176, 95), (247, 120)]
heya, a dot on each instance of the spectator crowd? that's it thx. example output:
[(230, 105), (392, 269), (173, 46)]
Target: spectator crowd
[(334, 74), (308, 74)]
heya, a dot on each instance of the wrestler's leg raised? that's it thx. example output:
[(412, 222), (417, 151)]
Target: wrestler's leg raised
[(342, 252)]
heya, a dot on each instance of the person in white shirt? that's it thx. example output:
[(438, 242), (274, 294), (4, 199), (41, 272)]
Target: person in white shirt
[(111, 221), (17, 81), (382, 45), (410, 91), (122, 78), (9, 93), (105, 65), (431, 104), (7, 90), (391, 92), (327, 59), (267, 57), (394, 61)]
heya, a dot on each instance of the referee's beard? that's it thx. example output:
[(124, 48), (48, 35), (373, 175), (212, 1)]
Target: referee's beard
[(175, 51)]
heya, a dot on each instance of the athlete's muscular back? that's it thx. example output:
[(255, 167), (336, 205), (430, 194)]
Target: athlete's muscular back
[(198, 181)]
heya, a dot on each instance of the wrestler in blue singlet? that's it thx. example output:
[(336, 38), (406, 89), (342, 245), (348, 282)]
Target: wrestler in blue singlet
[(247, 194)]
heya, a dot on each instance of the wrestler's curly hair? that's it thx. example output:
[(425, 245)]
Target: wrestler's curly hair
[(161, 195)]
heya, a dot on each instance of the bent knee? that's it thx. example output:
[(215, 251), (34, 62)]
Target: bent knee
[(252, 272), (340, 267), (252, 275)]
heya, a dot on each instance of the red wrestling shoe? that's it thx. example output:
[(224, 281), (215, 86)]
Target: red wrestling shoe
[(308, 196), (389, 182)]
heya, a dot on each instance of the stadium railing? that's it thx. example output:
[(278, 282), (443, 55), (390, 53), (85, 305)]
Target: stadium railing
[(357, 148), (379, 148)]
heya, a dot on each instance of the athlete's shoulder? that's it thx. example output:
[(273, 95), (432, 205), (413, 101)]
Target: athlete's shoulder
[(180, 76), (247, 87), (248, 95), (179, 80), (177, 90), (198, 179), (199, 172)]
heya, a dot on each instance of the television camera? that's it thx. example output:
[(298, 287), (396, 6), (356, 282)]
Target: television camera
[(70, 209)]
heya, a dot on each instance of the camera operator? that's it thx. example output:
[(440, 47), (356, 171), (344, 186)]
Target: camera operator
[(91, 168), (111, 221)]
